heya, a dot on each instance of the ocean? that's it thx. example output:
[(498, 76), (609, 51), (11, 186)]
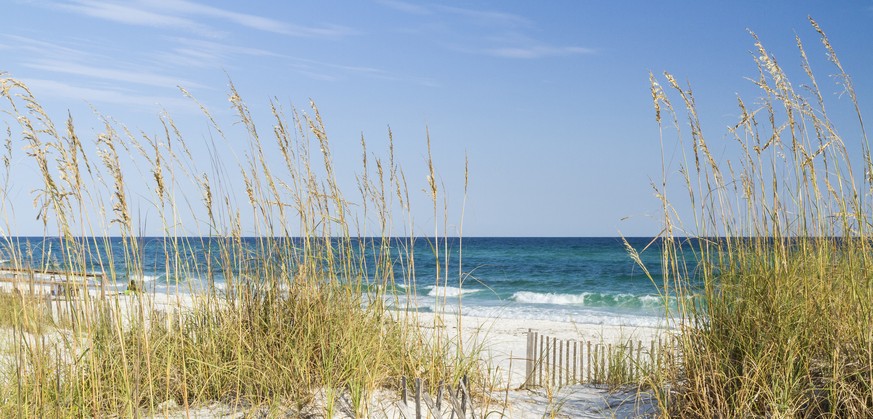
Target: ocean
[(583, 280)]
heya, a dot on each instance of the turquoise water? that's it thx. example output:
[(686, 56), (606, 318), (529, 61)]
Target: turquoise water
[(585, 280)]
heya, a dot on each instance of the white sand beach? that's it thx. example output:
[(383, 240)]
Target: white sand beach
[(503, 340), (503, 344), (503, 347)]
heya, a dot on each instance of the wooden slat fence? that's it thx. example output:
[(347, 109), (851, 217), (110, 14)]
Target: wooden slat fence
[(557, 362), (59, 290), (457, 399), (60, 282)]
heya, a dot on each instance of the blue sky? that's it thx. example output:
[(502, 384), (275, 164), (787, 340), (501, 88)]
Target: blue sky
[(549, 100)]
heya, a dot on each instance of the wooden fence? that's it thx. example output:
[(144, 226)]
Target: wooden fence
[(55, 282), (458, 400), (558, 362)]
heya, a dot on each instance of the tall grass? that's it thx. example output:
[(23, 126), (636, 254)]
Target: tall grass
[(302, 321), (777, 318)]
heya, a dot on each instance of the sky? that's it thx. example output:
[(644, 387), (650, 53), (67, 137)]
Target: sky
[(549, 101)]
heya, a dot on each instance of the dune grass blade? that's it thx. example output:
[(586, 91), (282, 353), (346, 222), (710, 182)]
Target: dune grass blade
[(288, 309), (779, 317)]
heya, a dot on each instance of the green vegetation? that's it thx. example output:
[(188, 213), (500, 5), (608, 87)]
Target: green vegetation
[(776, 320), (301, 322)]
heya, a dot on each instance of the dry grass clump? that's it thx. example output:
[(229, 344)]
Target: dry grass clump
[(26, 313), (301, 318), (778, 319)]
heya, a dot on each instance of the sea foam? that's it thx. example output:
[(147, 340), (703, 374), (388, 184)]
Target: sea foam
[(434, 291), (590, 299), (529, 297)]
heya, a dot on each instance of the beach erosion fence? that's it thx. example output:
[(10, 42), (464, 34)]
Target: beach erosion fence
[(54, 282), (59, 293), (559, 362), (447, 400)]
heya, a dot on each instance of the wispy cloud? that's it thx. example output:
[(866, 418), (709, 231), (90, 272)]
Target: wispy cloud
[(482, 32), (57, 89), (38, 47), (488, 17), (406, 7), (325, 71), (518, 45), (476, 16), (250, 21), (537, 51), (88, 65), (129, 14), (189, 52), (104, 73), (188, 15)]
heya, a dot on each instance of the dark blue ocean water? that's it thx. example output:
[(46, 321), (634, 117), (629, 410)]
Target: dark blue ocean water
[(586, 280)]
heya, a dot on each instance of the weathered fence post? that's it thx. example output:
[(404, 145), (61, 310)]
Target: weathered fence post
[(403, 390), (639, 367), (603, 360), (529, 362), (418, 398), (575, 360), (540, 360), (465, 390), (439, 396), (567, 364), (598, 363), (546, 361), (588, 364), (554, 358), (560, 359)]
